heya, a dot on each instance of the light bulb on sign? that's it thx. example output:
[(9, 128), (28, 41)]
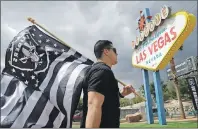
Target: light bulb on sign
[(164, 12), (158, 19), (133, 44), (137, 41)]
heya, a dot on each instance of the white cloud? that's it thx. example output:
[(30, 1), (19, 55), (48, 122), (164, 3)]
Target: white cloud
[(7, 34), (67, 28), (8, 31)]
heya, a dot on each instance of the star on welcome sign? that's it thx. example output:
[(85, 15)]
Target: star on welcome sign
[(141, 23)]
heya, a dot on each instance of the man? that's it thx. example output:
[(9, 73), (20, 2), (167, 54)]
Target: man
[(101, 98)]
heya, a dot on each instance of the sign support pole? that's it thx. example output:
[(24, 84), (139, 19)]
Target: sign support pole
[(159, 98), (149, 110)]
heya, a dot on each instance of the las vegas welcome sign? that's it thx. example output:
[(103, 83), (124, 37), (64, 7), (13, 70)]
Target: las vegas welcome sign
[(161, 39)]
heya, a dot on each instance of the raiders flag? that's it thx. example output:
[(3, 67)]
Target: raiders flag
[(42, 81)]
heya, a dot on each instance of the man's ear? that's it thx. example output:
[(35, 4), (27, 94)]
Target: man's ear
[(105, 51)]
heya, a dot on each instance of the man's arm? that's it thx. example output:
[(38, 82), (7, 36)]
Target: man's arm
[(95, 101), (121, 96), (97, 88)]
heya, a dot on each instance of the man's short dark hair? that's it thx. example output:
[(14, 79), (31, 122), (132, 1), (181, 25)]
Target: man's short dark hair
[(100, 46)]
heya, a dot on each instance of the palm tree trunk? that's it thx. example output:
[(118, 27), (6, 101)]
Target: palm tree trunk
[(177, 88)]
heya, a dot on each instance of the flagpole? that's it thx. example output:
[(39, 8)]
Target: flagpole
[(34, 22), (133, 92)]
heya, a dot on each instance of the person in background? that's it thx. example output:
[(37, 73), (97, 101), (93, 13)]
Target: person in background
[(101, 98)]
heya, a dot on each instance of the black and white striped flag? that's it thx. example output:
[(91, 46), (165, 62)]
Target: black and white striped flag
[(42, 81)]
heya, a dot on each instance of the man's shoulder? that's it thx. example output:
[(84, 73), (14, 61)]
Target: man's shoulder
[(101, 67), (98, 70)]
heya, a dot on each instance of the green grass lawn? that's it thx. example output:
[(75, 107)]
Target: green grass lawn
[(188, 124)]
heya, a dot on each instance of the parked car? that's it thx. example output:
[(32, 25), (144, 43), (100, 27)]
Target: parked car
[(77, 117)]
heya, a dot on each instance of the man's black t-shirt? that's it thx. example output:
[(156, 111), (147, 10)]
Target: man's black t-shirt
[(100, 78)]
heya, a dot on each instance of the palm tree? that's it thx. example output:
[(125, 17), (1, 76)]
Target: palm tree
[(176, 85)]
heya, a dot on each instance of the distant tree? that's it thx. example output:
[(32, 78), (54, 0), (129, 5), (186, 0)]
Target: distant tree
[(185, 93), (137, 99), (142, 91), (152, 89), (125, 102), (171, 90), (166, 95), (80, 104)]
